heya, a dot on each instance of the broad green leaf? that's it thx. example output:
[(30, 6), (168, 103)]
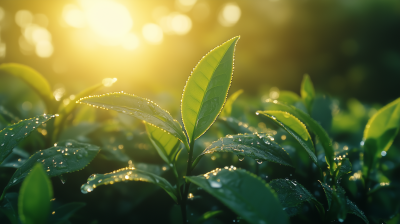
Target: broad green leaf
[(382, 128), (293, 196), (344, 167), (9, 206), (314, 127), (237, 126), (295, 128), (258, 146), (166, 144), (128, 174), (226, 112), (34, 197), (31, 77), (140, 108), (307, 92), (16, 159), (14, 134), (65, 157), (288, 97), (206, 89), (244, 193), (64, 212)]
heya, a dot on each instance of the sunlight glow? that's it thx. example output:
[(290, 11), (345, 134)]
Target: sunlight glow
[(152, 33), (23, 18), (229, 15), (44, 49), (181, 24), (130, 42), (73, 16), (109, 19)]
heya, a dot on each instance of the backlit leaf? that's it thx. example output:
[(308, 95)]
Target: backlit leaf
[(140, 108), (34, 197), (14, 134), (295, 128), (66, 157), (166, 144), (206, 89), (128, 174), (307, 91), (244, 193), (226, 112)]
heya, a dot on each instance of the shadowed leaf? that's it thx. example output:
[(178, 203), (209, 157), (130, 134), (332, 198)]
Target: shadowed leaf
[(307, 92), (226, 112)]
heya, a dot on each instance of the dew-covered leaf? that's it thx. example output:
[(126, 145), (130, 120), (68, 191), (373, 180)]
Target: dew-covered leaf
[(66, 157), (140, 108), (314, 127), (226, 112), (259, 146), (307, 91), (295, 128), (14, 134), (293, 196), (166, 144), (343, 168), (244, 193), (206, 89), (9, 207), (128, 174), (33, 78), (353, 209), (16, 159), (63, 213), (237, 126), (34, 197)]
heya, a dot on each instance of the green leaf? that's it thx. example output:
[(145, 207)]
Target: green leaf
[(9, 206), (226, 112), (65, 157), (237, 126), (353, 209), (206, 89), (243, 192), (166, 144), (34, 197), (33, 78), (288, 97), (343, 168), (140, 108), (14, 134), (314, 127), (295, 128), (257, 146), (208, 215), (64, 212), (16, 159), (293, 196), (307, 92), (128, 174)]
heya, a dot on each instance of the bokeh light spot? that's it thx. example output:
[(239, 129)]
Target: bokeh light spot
[(73, 16), (181, 24), (152, 33), (130, 42), (23, 18), (230, 15), (44, 49)]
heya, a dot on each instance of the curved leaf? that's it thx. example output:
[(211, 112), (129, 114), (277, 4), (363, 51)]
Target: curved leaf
[(293, 196), (257, 146), (244, 193), (295, 128), (226, 112), (206, 89), (384, 125), (65, 157), (13, 134), (166, 144), (307, 92), (31, 77), (314, 127), (237, 126), (140, 108), (128, 174), (34, 197)]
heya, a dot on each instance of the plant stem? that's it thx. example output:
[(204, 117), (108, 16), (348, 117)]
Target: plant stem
[(187, 184)]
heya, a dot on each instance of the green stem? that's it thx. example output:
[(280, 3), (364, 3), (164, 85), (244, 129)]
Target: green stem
[(187, 184), (2, 195)]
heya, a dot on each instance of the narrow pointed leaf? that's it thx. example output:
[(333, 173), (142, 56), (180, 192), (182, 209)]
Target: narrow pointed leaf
[(206, 89), (128, 174), (9, 206), (166, 144), (14, 134), (140, 108), (226, 112), (353, 209), (344, 168), (66, 157), (307, 92), (243, 192), (314, 127), (293, 196), (295, 128), (257, 146), (34, 197), (33, 78), (64, 212)]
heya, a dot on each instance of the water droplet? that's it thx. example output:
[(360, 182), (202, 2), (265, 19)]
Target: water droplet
[(215, 184), (259, 161), (92, 177), (241, 158), (86, 188)]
